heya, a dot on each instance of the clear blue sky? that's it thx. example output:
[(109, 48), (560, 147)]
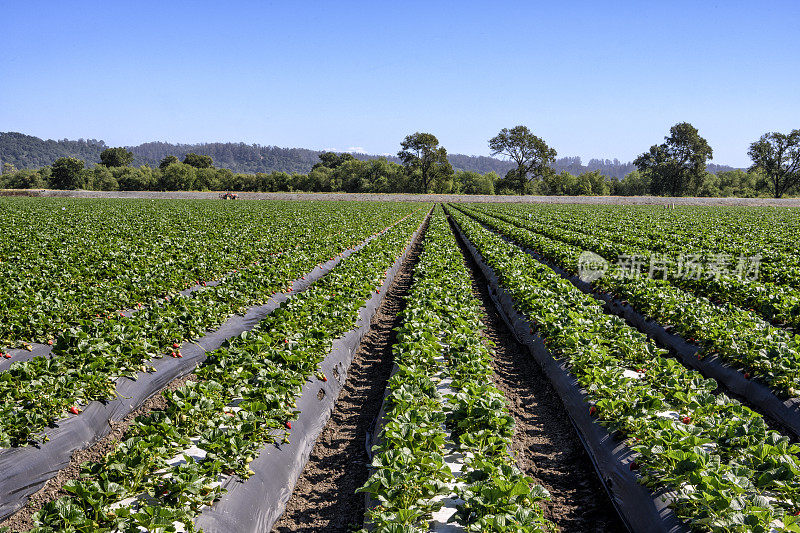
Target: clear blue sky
[(594, 79)]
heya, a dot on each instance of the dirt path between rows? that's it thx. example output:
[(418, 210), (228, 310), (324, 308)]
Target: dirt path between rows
[(546, 445), (325, 498)]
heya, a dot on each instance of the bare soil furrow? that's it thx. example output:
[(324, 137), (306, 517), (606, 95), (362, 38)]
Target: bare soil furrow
[(545, 443)]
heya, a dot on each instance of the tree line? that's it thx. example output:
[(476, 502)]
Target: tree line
[(676, 167), (29, 152)]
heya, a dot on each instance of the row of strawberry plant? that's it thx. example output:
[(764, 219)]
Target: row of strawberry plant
[(701, 233), (46, 350), (64, 260), (496, 495), (725, 229), (73, 264), (724, 470), (88, 360), (174, 461), (742, 339), (440, 348), (288, 244), (777, 303)]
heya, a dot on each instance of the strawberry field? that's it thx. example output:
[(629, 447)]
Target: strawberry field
[(187, 365)]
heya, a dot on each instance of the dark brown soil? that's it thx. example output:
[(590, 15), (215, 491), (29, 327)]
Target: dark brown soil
[(22, 519), (325, 498), (546, 445)]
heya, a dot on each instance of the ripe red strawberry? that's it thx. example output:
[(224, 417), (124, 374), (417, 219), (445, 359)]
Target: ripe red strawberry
[(324, 378), (288, 425), (686, 420), (592, 410), (180, 354), (74, 410), (634, 466), (50, 342), (7, 355), (175, 345), (747, 375), (174, 354)]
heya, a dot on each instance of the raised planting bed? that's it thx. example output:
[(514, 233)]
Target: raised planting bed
[(214, 433), (672, 454), (441, 456)]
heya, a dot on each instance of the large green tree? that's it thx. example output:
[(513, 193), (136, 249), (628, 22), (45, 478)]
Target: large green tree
[(178, 177), (421, 154), (66, 173), (531, 154), (634, 183), (676, 164), (198, 161), (167, 161), (469, 182), (332, 160), (135, 179), (777, 155), (116, 157)]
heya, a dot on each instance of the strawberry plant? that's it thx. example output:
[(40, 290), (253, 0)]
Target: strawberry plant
[(741, 338), (89, 358), (772, 301), (687, 230), (722, 468), (62, 261), (175, 460), (440, 341)]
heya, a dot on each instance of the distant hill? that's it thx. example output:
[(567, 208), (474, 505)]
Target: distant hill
[(26, 151)]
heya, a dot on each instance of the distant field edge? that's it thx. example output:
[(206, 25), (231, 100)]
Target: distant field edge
[(381, 197)]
